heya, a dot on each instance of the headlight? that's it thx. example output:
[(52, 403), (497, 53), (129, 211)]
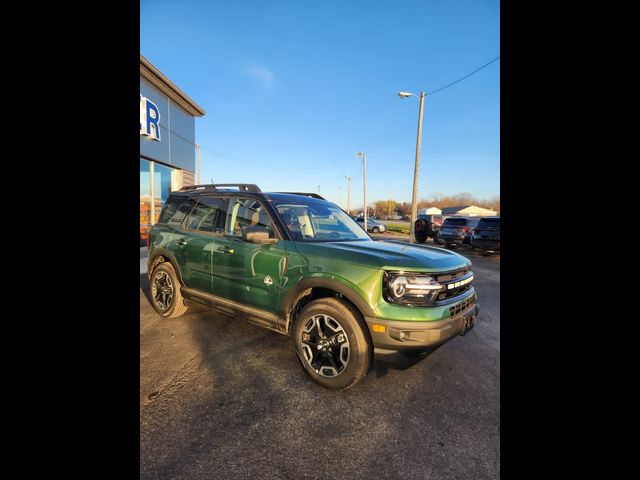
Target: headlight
[(410, 289)]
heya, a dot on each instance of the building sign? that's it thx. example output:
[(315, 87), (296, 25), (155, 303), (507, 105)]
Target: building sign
[(149, 119)]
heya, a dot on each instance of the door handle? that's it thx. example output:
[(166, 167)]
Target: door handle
[(182, 242), (224, 250)]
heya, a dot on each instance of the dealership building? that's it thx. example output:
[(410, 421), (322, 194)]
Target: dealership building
[(167, 141)]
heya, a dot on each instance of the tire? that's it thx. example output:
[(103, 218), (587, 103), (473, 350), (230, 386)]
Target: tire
[(484, 253), (376, 230), (164, 276), (422, 230), (343, 331)]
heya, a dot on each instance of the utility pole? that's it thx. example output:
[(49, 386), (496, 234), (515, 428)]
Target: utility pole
[(198, 180), (348, 193), (364, 176), (414, 205)]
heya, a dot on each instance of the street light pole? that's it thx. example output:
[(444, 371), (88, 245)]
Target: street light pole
[(348, 193), (364, 176), (414, 205)]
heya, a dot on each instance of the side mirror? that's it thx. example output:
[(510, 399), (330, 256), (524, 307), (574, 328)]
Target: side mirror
[(258, 234)]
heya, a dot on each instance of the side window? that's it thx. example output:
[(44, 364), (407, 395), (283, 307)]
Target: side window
[(208, 216), (246, 213), (175, 209)]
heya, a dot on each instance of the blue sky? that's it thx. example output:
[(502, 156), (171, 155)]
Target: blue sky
[(294, 89)]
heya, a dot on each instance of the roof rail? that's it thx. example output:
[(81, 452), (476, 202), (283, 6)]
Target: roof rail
[(242, 187), (314, 195)]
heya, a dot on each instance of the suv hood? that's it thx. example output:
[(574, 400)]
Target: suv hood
[(387, 255)]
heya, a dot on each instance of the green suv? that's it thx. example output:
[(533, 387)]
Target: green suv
[(299, 265)]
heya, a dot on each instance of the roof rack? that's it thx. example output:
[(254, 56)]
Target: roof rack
[(242, 187), (313, 195)]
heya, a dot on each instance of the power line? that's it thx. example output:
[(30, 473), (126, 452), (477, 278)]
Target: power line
[(202, 147), (462, 78)]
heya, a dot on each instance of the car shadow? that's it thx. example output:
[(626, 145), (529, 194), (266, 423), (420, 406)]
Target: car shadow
[(237, 379), (382, 363), (380, 366)]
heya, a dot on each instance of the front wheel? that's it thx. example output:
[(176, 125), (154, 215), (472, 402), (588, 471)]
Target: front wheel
[(376, 230), (332, 343)]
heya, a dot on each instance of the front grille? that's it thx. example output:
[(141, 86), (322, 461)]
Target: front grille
[(462, 306), (449, 278), (454, 292)]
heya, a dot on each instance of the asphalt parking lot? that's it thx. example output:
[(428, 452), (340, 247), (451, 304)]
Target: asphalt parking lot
[(221, 398)]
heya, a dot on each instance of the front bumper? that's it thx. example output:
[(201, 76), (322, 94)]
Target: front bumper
[(410, 335)]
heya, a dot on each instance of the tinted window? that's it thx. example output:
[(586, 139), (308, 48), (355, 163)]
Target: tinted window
[(456, 221), (492, 223), (462, 222), (175, 209), (208, 216)]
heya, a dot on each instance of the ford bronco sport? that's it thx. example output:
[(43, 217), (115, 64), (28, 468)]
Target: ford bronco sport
[(301, 266)]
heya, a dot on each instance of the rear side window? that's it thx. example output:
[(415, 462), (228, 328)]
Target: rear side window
[(175, 209), (208, 216)]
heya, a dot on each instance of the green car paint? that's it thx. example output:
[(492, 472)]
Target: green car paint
[(268, 277)]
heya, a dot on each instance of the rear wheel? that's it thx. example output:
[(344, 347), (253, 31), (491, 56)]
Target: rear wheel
[(332, 343), (165, 291), (421, 229)]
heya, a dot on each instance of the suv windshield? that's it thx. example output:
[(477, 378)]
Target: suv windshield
[(319, 222)]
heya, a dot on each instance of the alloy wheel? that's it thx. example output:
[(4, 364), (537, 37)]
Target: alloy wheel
[(325, 345), (162, 290)]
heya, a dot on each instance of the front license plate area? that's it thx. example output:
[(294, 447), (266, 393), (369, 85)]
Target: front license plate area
[(469, 322)]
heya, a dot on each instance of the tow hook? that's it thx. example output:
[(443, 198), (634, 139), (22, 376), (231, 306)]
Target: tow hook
[(468, 323)]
